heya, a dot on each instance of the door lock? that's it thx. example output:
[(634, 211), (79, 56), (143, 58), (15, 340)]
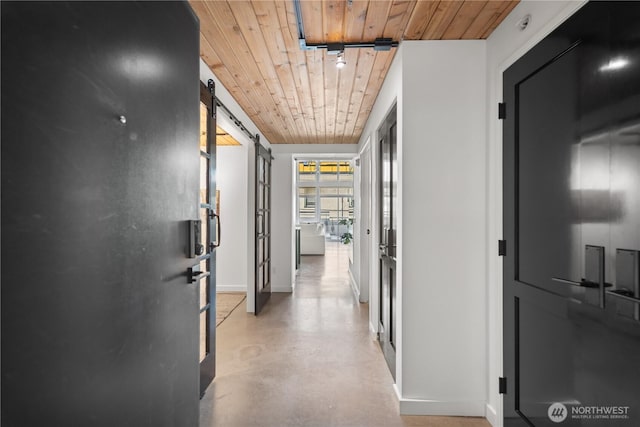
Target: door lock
[(199, 249), (196, 248)]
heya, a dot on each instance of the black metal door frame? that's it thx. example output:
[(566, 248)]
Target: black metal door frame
[(207, 278)]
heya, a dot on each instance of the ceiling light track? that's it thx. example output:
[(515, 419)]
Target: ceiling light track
[(379, 44)]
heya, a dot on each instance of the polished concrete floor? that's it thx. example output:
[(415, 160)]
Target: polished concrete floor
[(308, 360)]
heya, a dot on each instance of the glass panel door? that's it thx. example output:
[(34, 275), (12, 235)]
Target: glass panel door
[(263, 227), (209, 239), (387, 248)]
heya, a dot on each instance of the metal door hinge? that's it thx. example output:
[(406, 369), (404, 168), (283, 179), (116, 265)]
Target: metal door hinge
[(502, 385), (502, 248), (502, 110)]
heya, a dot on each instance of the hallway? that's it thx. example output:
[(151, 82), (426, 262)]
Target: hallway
[(308, 360)]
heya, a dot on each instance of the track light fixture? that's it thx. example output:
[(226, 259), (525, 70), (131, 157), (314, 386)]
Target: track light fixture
[(340, 62), (379, 44)]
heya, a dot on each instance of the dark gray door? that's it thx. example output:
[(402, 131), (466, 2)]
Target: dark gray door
[(572, 224), (263, 227), (99, 178), (387, 246)]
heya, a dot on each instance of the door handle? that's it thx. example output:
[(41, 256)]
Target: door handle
[(216, 244), (627, 292), (593, 282), (194, 275), (594, 271), (624, 294), (583, 283)]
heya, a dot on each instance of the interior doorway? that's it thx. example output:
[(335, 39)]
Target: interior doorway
[(364, 222), (324, 208), (324, 211), (325, 200)]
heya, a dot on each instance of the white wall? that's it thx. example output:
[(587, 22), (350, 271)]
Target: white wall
[(281, 224), (440, 92), (506, 44), (232, 182), (283, 202), (441, 231)]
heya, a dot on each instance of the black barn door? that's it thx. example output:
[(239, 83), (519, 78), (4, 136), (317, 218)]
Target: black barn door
[(263, 227), (572, 224), (387, 247), (99, 180), (205, 272)]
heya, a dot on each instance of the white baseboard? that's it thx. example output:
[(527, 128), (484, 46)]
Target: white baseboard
[(439, 407), (372, 328), (231, 288), (491, 415), (282, 288), (354, 286), (243, 288)]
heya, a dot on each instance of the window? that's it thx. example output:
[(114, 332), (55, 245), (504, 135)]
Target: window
[(307, 171), (307, 204), (325, 194)]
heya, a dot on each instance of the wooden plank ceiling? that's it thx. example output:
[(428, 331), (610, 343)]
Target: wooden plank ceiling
[(298, 96)]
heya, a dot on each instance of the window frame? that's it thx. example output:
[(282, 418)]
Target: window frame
[(318, 184)]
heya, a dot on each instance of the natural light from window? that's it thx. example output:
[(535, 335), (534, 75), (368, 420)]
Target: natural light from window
[(325, 195)]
